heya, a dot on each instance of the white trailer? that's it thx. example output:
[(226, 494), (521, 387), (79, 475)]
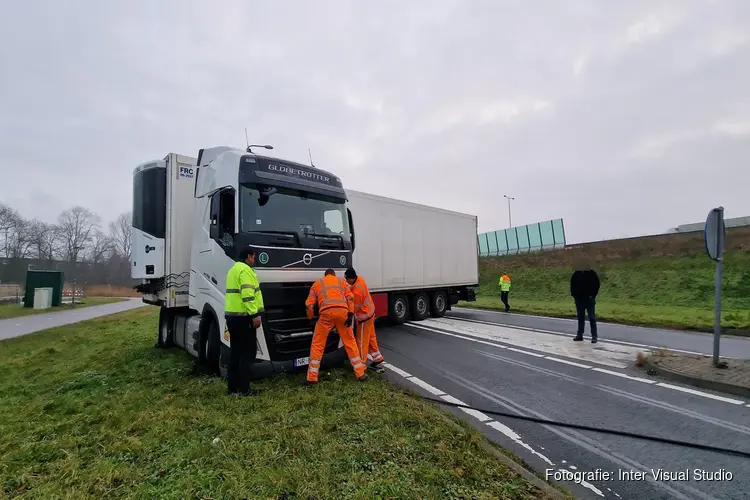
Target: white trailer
[(191, 216), (417, 260)]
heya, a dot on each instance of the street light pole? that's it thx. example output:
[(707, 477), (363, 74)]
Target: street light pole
[(510, 221)]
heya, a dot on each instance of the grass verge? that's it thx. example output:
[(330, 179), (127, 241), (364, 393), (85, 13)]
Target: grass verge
[(734, 322), (673, 292), (17, 310), (93, 409)]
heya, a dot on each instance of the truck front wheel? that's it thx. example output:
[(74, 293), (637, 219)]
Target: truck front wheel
[(166, 329), (211, 349)]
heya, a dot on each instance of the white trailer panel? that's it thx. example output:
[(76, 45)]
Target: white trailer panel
[(181, 217), (401, 245)]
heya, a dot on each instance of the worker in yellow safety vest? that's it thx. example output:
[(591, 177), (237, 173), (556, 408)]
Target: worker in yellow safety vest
[(505, 290), (243, 305)]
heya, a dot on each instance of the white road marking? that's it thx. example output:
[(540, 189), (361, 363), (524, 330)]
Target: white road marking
[(505, 430), (471, 338), (588, 485), (611, 355), (397, 370), (474, 413), (701, 393), (451, 399), (427, 387), (579, 365), (525, 352), (563, 334), (629, 377)]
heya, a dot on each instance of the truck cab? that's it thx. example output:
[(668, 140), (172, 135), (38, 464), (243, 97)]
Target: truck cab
[(192, 216)]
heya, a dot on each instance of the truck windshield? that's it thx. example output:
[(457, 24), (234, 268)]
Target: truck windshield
[(277, 210)]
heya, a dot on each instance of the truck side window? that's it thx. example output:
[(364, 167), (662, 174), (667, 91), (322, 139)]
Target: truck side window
[(222, 218)]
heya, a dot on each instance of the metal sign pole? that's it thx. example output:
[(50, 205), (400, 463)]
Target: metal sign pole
[(715, 235), (717, 308)]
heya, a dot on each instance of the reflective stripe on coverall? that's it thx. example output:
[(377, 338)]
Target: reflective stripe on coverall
[(364, 313), (243, 296), (335, 301)]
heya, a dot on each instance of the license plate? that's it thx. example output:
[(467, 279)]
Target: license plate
[(301, 362)]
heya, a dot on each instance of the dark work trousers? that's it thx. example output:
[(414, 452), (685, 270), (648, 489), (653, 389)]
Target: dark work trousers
[(243, 349), (504, 298), (586, 305)]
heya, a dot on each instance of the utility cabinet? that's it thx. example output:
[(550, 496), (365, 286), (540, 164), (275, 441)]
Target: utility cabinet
[(44, 279)]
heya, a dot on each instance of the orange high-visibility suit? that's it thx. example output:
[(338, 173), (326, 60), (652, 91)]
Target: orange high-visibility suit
[(335, 302), (364, 314)]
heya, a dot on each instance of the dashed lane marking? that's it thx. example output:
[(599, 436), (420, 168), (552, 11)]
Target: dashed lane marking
[(572, 363), (701, 393), (494, 424), (399, 371), (563, 334), (427, 387), (629, 377), (587, 367)]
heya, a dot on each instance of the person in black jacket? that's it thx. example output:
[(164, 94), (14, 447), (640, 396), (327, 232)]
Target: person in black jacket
[(584, 287)]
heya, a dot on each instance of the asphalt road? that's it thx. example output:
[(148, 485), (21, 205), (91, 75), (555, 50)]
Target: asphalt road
[(693, 342), (547, 375), (15, 327)]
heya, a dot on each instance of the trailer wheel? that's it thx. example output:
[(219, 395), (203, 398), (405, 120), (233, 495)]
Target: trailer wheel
[(211, 349), (165, 338), (399, 309), (439, 304), (420, 306)]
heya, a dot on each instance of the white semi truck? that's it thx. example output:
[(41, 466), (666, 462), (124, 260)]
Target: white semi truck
[(192, 215)]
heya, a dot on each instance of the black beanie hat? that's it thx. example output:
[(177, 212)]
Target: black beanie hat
[(350, 273)]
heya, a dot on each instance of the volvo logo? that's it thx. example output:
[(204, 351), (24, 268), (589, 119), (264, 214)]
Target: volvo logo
[(342, 260), (307, 259)]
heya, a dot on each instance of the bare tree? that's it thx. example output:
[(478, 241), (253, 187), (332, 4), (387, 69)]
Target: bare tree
[(9, 219), (43, 240), (100, 248), (77, 227), (120, 235), (17, 240)]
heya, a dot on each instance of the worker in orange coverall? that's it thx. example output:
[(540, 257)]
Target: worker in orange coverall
[(336, 308), (364, 317)]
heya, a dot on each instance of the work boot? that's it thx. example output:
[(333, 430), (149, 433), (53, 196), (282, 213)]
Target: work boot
[(309, 384), (593, 339), (249, 392), (378, 367), (578, 338), (363, 377)]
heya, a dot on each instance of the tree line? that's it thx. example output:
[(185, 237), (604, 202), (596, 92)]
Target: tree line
[(77, 244), (77, 236)]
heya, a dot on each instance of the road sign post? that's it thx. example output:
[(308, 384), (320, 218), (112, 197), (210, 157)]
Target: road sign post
[(715, 236)]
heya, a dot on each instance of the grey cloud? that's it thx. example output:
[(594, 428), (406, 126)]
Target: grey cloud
[(433, 102)]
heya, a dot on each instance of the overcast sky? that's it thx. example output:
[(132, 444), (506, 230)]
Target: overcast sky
[(621, 117)]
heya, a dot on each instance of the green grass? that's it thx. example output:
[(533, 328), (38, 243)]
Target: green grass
[(674, 292), (93, 410), (17, 310)]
